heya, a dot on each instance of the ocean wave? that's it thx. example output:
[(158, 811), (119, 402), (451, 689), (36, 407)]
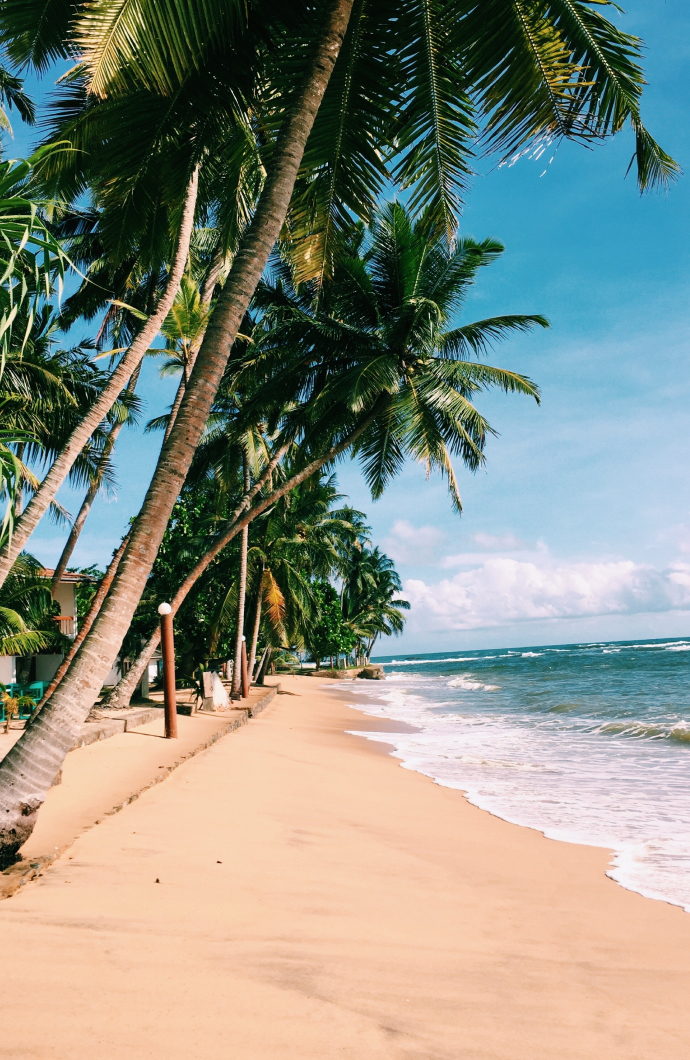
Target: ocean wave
[(583, 749), (427, 662), (500, 763), (470, 685), (667, 644), (645, 730)]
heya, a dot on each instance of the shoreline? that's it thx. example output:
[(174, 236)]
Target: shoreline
[(616, 856), (289, 892)]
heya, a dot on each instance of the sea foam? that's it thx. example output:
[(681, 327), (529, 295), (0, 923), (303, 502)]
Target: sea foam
[(585, 747)]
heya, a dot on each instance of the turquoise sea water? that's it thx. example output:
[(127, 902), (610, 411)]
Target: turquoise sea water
[(588, 743)]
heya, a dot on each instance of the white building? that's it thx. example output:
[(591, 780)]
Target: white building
[(27, 669)]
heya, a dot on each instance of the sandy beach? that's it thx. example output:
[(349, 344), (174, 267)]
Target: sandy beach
[(293, 892)]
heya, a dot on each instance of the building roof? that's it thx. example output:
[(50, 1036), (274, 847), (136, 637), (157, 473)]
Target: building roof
[(68, 576)]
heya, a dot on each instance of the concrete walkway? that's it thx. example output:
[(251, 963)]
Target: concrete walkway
[(107, 774)]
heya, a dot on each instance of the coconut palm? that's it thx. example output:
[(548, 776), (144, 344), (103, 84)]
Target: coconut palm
[(299, 539), (26, 611), (367, 362), (553, 69), (425, 78), (370, 604), (44, 391)]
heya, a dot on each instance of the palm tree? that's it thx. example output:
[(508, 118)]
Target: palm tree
[(44, 392), (101, 473), (364, 363), (369, 599), (26, 611), (79, 436), (299, 539), (556, 69)]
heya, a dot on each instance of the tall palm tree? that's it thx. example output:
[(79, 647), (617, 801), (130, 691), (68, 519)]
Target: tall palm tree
[(425, 78), (79, 436), (555, 69), (367, 362), (370, 601), (300, 539)]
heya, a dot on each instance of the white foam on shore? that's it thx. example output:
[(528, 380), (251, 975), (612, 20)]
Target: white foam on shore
[(579, 784)]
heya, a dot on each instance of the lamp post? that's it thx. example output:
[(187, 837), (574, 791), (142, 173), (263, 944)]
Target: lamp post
[(168, 653)]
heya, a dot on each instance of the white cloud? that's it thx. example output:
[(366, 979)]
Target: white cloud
[(418, 545), (499, 542), (503, 590)]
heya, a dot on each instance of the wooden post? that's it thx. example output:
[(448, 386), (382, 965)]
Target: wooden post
[(245, 676), (168, 653)]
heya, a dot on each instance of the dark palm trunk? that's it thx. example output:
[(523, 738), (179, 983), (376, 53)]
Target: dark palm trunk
[(241, 595), (255, 630), (28, 770), (86, 625)]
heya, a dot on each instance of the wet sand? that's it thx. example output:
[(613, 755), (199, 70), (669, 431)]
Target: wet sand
[(292, 892)]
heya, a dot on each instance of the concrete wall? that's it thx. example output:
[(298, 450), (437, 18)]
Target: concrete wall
[(66, 596)]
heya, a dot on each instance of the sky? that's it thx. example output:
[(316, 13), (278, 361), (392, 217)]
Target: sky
[(578, 527)]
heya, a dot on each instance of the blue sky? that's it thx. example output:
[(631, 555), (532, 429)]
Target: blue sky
[(579, 526)]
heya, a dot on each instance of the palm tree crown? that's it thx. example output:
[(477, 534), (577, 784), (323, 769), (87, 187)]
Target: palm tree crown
[(377, 342)]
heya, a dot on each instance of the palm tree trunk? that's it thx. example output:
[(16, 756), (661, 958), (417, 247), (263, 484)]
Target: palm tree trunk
[(241, 595), (119, 697), (122, 693), (61, 466), (86, 625), (28, 770), (206, 294), (92, 491), (255, 634), (19, 496)]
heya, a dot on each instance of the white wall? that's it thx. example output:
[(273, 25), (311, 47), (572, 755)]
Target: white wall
[(115, 673), (8, 669), (66, 596)]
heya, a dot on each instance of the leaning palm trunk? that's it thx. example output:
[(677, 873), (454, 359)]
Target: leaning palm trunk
[(92, 491), (28, 770), (62, 465), (257, 678), (206, 293), (124, 689), (255, 635), (119, 697), (86, 625), (241, 596), (122, 693)]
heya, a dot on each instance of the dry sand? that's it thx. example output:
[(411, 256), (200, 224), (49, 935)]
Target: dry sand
[(318, 901)]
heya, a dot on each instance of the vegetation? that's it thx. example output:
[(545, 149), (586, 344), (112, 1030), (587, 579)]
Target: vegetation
[(27, 612), (215, 172)]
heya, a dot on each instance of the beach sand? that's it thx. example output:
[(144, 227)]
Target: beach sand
[(318, 901)]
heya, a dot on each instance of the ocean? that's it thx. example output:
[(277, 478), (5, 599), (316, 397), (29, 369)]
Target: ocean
[(589, 743)]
